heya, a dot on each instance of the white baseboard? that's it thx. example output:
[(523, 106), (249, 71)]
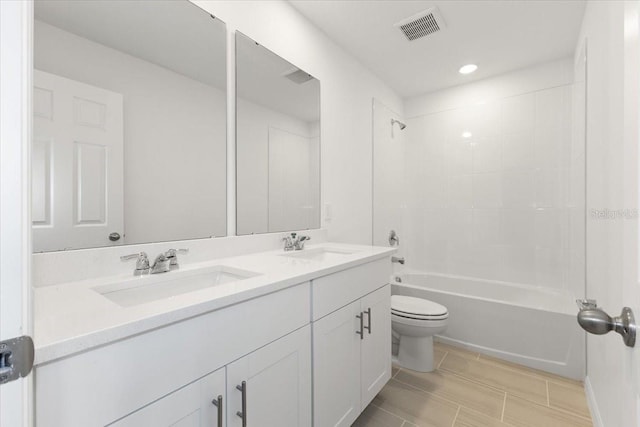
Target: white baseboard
[(593, 405)]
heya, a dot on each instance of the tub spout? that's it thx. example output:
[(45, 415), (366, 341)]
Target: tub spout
[(399, 260)]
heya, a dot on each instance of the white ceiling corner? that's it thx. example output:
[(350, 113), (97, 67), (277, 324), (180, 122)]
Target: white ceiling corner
[(497, 35)]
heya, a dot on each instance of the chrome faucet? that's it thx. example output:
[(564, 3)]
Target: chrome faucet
[(162, 264), (298, 242), (294, 242), (172, 254), (288, 243), (399, 260), (142, 263)]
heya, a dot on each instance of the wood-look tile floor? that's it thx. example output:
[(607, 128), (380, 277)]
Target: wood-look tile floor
[(473, 390)]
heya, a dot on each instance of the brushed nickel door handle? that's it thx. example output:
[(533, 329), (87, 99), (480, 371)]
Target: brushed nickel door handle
[(243, 414), (368, 327), (596, 321), (361, 331), (218, 403)]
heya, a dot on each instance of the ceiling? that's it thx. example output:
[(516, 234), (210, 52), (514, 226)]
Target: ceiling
[(181, 37), (498, 35), (175, 35)]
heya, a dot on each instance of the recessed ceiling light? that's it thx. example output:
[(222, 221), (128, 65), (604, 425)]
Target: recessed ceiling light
[(468, 69), (467, 134)]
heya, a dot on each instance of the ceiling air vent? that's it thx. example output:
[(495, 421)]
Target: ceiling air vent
[(298, 76), (422, 24)]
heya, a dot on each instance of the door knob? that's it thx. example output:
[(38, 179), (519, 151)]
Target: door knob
[(597, 321), (114, 237)]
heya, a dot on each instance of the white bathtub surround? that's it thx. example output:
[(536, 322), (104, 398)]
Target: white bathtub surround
[(531, 326), (72, 316), (496, 209)]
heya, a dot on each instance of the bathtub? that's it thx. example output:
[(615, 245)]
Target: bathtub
[(528, 325)]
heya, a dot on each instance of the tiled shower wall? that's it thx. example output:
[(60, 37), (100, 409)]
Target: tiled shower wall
[(486, 191)]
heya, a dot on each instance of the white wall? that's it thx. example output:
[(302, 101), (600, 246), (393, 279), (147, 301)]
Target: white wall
[(174, 137), (612, 368), (494, 205), (347, 89)]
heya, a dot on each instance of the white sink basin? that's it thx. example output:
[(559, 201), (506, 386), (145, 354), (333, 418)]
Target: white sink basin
[(140, 290), (319, 254)]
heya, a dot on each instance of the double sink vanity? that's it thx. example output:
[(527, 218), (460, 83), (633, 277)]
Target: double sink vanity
[(130, 154), (273, 338)]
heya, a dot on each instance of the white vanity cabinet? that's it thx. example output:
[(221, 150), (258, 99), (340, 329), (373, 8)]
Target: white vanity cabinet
[(351, 345), (105, 384), (198, 404), (306, 354), (270, 387)]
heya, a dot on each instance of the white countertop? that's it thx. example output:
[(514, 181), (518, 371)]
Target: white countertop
[(73, 317)]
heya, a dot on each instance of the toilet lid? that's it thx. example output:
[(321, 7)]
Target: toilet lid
[(417, 307)]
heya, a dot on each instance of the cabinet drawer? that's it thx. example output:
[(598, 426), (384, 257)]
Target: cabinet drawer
[(339, 289), (192, 405), (102, 385)]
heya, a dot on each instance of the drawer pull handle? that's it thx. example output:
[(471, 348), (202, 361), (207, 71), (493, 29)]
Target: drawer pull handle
[(368, 327), (218, 403), (243, 414), (361, 331)]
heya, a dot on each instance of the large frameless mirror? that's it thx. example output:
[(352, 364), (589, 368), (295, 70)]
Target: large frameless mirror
[(129, 129), (278, 142)]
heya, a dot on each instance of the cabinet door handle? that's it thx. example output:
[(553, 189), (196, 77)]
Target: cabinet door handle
[(243, 414), (218, 403), (361, 331), (368, 327)]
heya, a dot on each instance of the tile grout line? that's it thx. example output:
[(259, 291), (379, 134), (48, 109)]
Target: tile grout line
[(525, 370), (442, 360), (438, 396), (548, 398), (504, 405), (456, 417), (395, 415)]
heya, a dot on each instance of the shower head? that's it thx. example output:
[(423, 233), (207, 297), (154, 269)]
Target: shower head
[(402, 125)]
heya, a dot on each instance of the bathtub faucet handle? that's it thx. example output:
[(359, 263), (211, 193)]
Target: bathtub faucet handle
[(394, 240)]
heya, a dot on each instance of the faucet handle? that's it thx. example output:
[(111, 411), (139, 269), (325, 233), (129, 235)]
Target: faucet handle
[(172, 254), (142, 262)]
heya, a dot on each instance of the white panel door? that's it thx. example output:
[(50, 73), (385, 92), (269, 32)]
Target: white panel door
[(277, 381), (190, 406), (629, 390), (77, 164), (336, 367), (375, 368), (16, 17)]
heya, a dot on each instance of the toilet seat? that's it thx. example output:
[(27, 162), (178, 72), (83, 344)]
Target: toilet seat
[(417, 308)]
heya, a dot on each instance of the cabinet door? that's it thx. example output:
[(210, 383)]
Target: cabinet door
[(277, 384), (375, 367), (336, 367), (190, 406)]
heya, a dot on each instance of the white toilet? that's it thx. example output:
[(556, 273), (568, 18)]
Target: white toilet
[(415, 321)]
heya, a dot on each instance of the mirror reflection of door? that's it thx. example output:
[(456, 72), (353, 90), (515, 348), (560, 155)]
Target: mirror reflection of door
[(277, 142), (293, 180), (78, 157), (171, 160)]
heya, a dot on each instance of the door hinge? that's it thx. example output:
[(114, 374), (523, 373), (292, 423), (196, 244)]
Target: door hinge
[(16, 358)]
